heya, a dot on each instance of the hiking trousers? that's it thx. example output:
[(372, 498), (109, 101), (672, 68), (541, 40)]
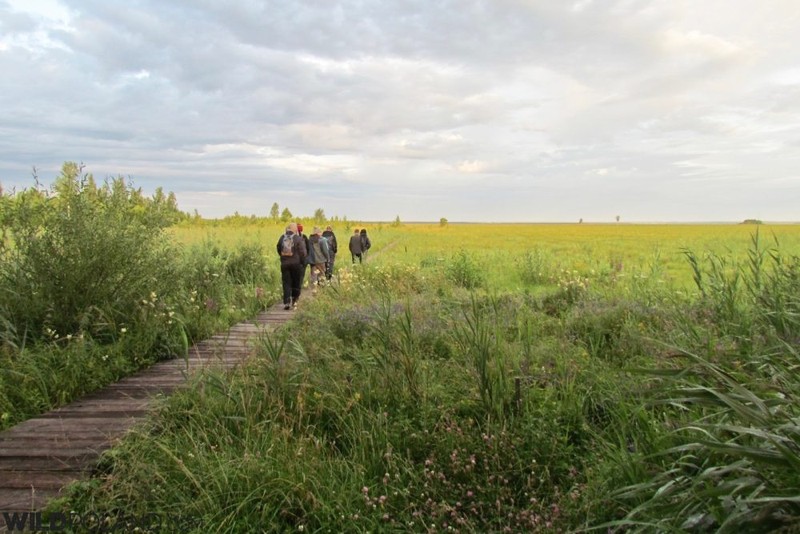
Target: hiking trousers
[(292, 279)]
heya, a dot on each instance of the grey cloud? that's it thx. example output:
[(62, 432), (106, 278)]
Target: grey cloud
[(433, 105)]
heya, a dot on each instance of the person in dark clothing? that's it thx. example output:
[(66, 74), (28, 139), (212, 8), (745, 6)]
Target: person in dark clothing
[(333, 248), (305, 240), (366, 244), (292, 250), (355, 246)]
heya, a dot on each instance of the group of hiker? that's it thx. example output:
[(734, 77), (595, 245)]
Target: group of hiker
[(317, 252)]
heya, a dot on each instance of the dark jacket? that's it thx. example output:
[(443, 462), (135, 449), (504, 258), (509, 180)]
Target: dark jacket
[(305, 239), (355, 244), (317, 255), (331, 237), (366, 244), (299, 249)]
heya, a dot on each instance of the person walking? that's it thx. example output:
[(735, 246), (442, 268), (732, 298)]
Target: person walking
[(292, 251), (305, 240), (355, 246), (318, 257), (366, 244), (333, 248)]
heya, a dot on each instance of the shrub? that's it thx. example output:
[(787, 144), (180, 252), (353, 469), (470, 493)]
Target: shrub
[(536, 267), (463, 271), (248, 265), (83, 256)]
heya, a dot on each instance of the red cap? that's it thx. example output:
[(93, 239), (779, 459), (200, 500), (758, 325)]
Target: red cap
[(299, 227)]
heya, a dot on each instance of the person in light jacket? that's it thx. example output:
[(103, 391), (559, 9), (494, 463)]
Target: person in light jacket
[(318, 256)]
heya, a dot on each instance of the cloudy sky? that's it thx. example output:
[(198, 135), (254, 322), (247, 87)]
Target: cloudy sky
[(474, 110)]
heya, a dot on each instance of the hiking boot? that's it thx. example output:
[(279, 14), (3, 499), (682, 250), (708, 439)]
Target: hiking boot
[(287, 306)]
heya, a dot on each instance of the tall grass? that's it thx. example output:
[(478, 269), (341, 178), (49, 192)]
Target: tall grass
[(410, 422), (92, 289), (437, 388), (734, 449)]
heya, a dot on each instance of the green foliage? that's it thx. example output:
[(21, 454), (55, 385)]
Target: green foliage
[(398, 401), (611, 330), (275, 212), (536, 267), (248, 265), (735, 467), (369, 427), (463, 271), (92, 289), (83, 257)]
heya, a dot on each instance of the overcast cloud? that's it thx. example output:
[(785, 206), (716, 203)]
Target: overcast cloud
[(492, 110)]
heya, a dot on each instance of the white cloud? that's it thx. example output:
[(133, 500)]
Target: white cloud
[(471, 167), (500, 110)]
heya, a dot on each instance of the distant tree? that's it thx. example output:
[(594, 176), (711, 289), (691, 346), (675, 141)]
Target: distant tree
[(580, 221), (275, 212), (286, 215), (443, 222), (319, 216), (752, 221), (617, 218), (396, 222)]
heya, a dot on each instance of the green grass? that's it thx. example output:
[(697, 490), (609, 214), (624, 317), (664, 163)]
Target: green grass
[(630, 377)]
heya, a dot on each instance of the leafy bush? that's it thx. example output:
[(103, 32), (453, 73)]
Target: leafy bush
[(463, 271), (611, 330), (536, 267), (83, 257), (248, 265)]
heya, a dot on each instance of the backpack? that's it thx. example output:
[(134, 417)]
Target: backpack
[(287, 245)]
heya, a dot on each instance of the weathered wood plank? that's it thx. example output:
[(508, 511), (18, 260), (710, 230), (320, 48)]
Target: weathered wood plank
[(44, 454)]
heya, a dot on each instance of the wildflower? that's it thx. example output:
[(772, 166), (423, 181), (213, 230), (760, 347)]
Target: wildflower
[(123, 330)]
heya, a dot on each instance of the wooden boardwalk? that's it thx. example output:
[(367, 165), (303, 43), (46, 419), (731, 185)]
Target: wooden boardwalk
[(42, 455)]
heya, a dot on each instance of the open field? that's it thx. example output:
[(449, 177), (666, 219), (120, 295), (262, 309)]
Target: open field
[(503, 250), (467, 378), (497, 378)]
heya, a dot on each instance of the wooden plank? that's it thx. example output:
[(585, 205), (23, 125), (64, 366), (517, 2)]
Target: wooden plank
[(40, 463), (63, 453), (41, 455), (24, 499), (39, 479)]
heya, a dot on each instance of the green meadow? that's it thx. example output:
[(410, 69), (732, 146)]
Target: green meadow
[(465, 378)]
